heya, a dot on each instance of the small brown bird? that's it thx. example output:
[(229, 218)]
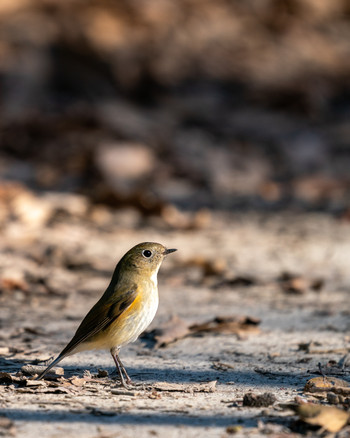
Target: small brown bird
[(125, 310)]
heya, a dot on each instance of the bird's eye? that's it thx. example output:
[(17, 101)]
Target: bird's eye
[(147, 253)]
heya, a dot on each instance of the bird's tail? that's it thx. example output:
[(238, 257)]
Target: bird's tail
[(52, 364)]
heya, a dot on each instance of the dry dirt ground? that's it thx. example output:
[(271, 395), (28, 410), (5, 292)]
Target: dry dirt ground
[(289, 271)]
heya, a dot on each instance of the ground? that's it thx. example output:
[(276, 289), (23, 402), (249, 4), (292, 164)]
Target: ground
[(289, 271)]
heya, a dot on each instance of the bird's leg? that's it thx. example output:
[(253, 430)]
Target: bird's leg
[(128, 380), (120, 367), (114, 354)]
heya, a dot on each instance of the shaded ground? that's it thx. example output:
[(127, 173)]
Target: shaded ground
[(49, 281)]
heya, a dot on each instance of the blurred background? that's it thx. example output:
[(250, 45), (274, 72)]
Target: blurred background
[(167, 107)]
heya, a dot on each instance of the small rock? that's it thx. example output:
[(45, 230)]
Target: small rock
[(102, 373), (332, 398), (259, 400)]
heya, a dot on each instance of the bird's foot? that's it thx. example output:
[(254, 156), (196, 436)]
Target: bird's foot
[(126, 383)]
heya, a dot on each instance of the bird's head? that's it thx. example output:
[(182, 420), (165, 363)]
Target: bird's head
[(144, 259)]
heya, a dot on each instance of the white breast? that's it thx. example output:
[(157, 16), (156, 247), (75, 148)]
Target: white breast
[(151, 308), (154, 279)]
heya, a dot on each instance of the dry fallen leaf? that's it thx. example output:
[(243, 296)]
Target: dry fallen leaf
[(293, 284), (177, 328), (296, 284), (325, 384), (330, 418), (228, 325), (77, 381), (172, 330)]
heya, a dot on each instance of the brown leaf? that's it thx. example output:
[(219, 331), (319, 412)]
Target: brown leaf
[(325, 384), (330, 418), (172, 330), (293, 284), (227, 325), (296, 284), (177, 328), (77, 381)]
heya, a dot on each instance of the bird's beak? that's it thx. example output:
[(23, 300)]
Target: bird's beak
[(168, 251)]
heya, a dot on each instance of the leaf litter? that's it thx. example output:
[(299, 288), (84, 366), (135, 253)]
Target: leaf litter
[(177, 328), (238, 344)]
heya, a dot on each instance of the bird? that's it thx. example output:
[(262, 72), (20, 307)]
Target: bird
[(124, 311)]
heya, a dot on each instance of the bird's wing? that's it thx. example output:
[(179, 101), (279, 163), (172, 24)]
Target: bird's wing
[(100, 317)]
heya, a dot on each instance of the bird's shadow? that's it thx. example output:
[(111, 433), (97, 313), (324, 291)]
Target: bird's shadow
[(151, 375)]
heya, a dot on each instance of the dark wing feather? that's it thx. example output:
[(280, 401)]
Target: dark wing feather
[(99, 318)]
